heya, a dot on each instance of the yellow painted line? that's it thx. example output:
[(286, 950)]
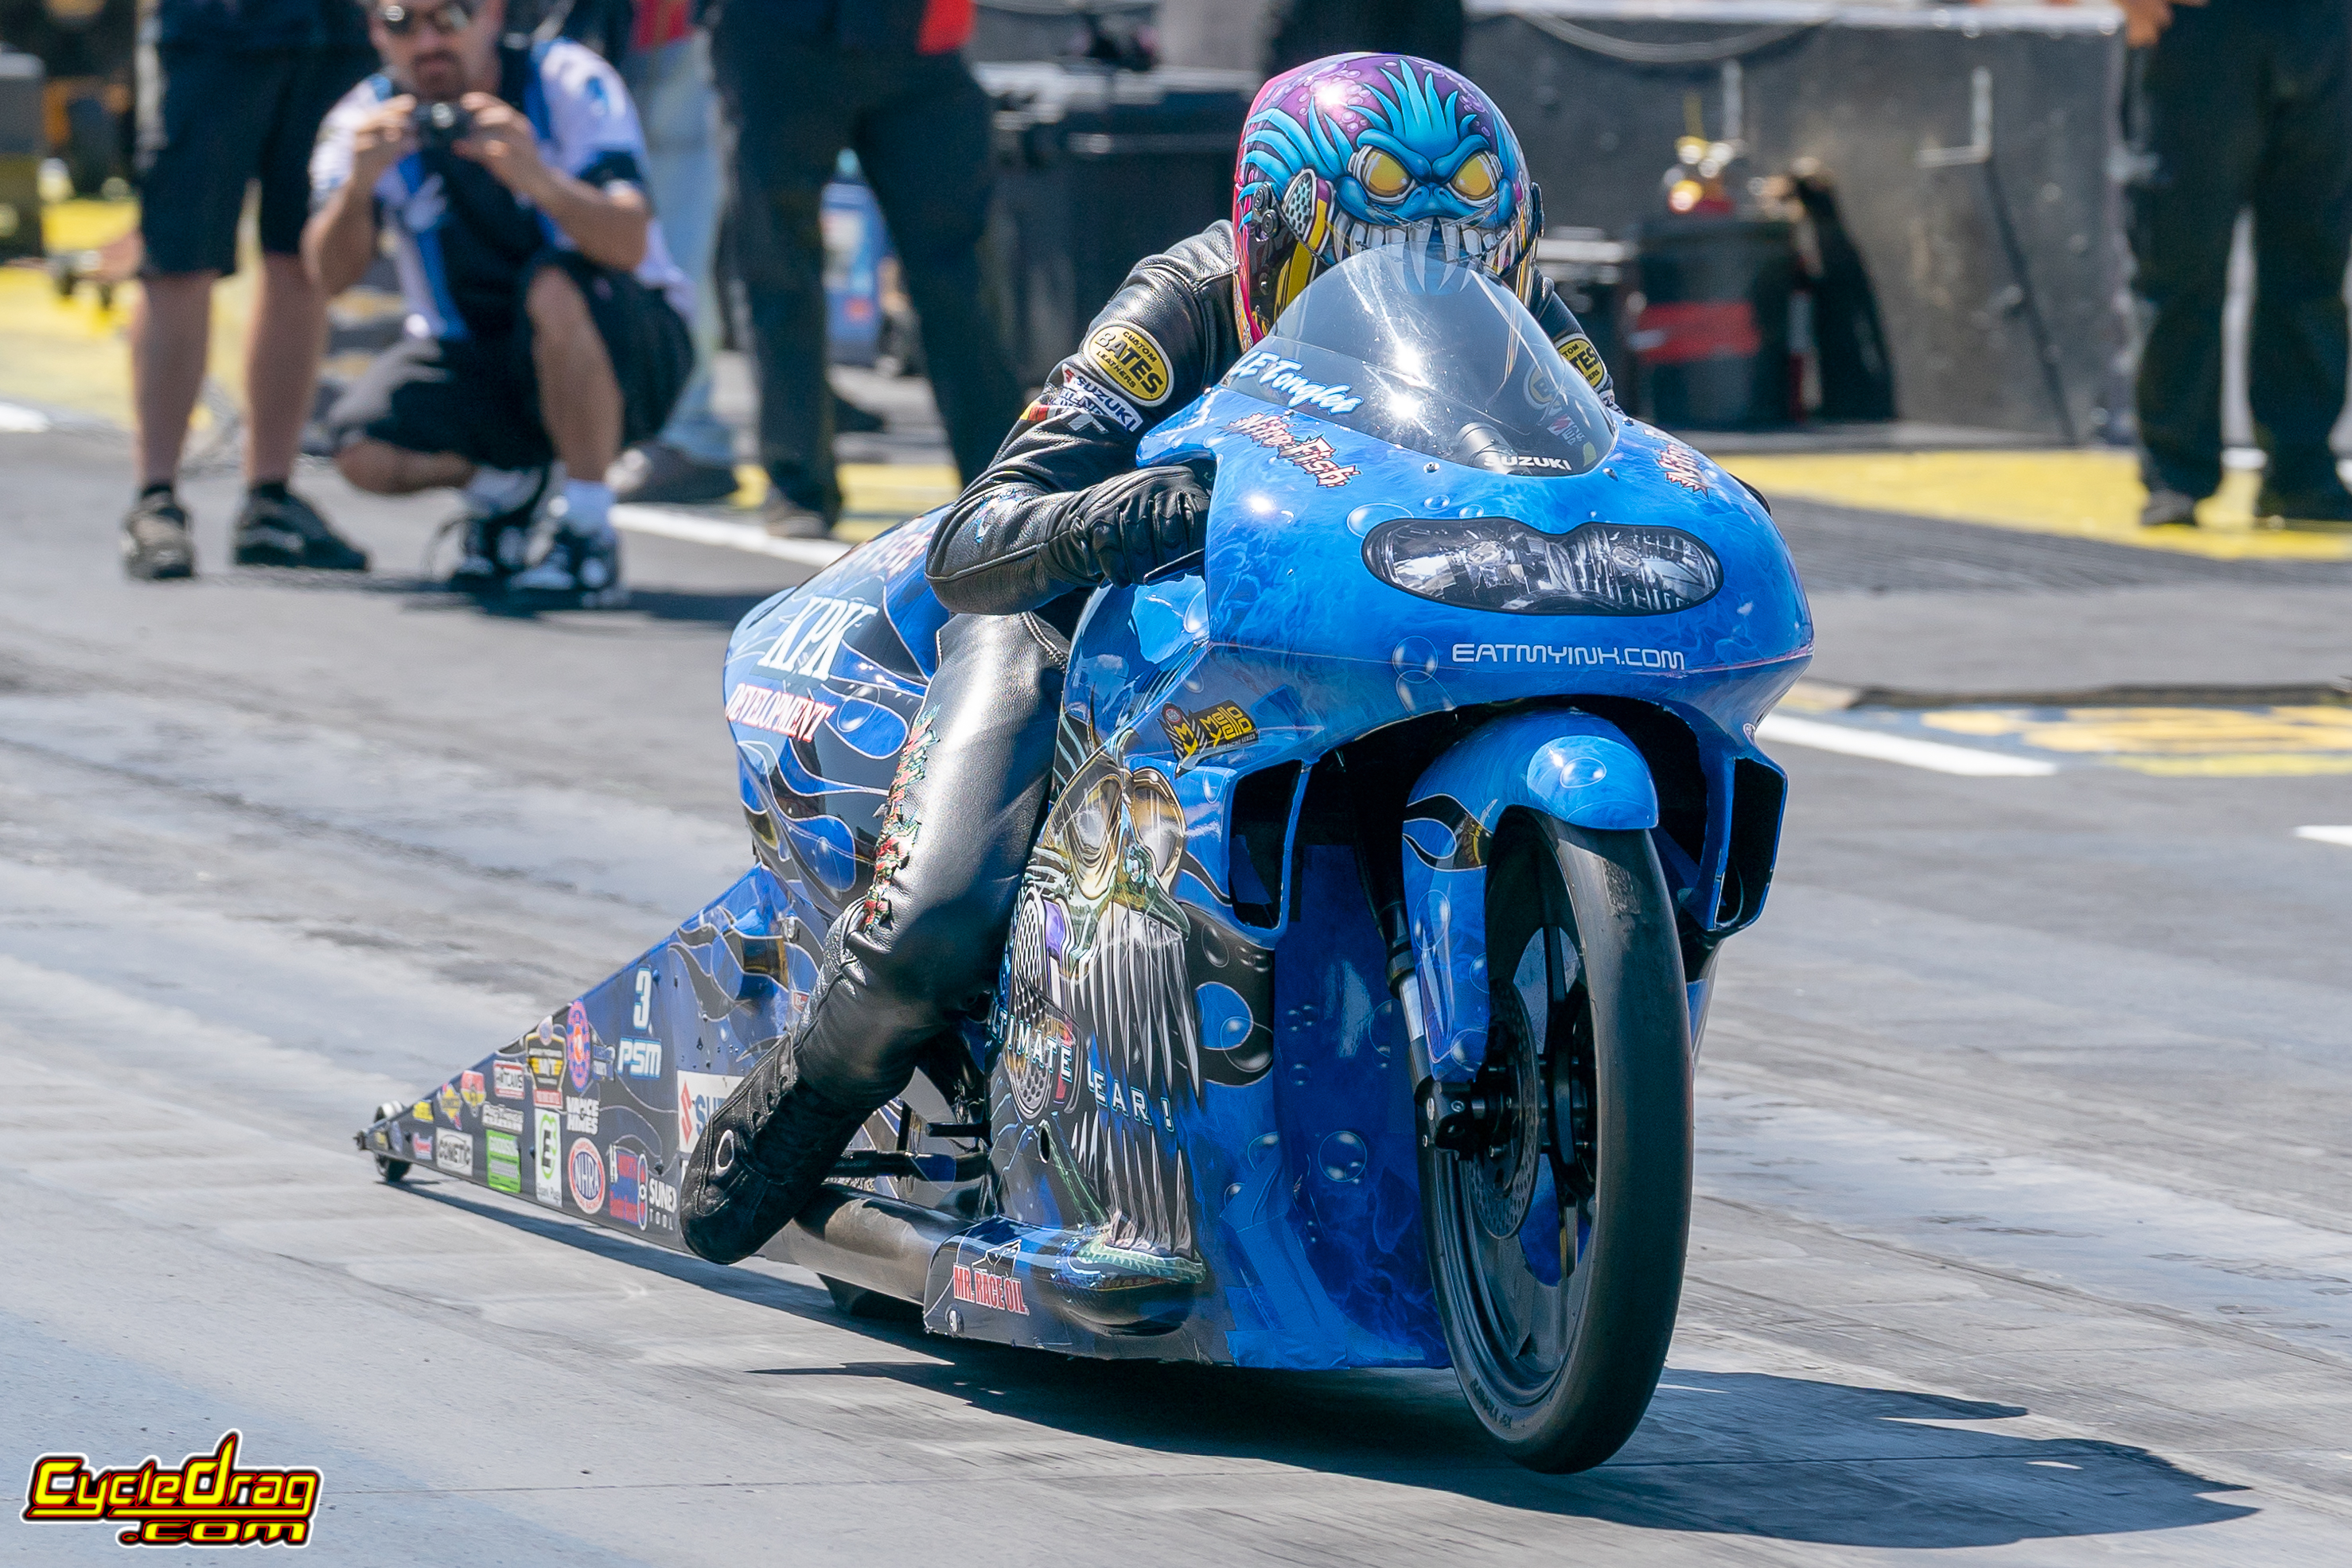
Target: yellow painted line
[(86, 224), (2160, 731), (874, 496), (2082, 494)]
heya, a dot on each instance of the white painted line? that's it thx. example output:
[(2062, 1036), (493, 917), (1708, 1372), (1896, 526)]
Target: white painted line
[(2326, 835), (1882, 748), (671, 523), (17, 420)]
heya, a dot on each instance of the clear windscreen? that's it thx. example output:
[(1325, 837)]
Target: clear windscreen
[(1433, 356)]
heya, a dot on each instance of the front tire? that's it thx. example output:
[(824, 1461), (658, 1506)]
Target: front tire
[(1559, 1301)]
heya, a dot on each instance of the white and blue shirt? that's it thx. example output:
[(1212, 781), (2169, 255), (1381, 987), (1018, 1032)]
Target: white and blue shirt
[(461, 239)]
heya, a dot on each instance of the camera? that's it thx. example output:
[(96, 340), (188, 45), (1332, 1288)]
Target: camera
[(440, 124)]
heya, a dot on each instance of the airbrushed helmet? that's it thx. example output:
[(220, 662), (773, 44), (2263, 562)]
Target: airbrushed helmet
[(1359, 151)]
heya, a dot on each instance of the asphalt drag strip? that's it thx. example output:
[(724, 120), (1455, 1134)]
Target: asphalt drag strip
[(2020, 1234)]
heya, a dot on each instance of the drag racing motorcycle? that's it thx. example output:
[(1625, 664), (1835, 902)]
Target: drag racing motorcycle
[(1350, 1006)]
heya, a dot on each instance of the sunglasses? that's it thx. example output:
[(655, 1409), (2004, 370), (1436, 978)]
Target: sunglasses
[(448, 19)]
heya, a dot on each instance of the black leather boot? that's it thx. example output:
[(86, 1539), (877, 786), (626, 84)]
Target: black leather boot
[(760, 1158)]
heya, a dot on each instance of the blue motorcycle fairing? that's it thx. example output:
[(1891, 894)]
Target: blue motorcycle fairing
[(1565, 764)]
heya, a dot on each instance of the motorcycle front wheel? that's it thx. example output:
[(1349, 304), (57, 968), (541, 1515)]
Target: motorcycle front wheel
[(1557, 1224)]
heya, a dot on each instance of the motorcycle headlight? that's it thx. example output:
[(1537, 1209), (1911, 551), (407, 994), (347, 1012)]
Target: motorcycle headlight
[(1500, 563)]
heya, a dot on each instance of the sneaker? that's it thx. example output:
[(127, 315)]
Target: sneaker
[(786, 520), (2168, 509), (156, 543), (495, 545), (2310, 507), (581, 569), (661, 475), (284, 529)]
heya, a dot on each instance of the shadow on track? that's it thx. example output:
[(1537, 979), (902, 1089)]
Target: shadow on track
[(1738, 1453)]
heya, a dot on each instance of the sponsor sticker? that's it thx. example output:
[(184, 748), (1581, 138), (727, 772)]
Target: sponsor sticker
[(698, 1094), (1133, 360), (630, 1170), (580, 1114), (1082, 399), (452, 1107), (1221, 726), (1577, 351), (1281, 377), (787, 714), (577, 1040), (1681, 465), (469, 1090), (552, 1099), (1001, 1292), (454, 1152), (509, 1080), (639, 1058), (505, 1118), (420, 1145), (422, 1110), (813, 636), (1467, 654), (587, 1169), (205, 1500), (1314, 457), (662, 1197), (505, 1159), (547, 1158)]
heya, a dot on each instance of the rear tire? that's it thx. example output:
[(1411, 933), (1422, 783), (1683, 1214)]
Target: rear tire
[(1559, 1326)]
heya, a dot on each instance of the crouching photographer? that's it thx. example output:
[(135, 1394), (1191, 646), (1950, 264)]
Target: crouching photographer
[(546, 322)]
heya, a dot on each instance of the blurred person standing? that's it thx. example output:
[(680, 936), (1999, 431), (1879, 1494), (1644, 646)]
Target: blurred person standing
[(1304, 30), (232, 92), (2233, 104), (667, 69), (801, 80)]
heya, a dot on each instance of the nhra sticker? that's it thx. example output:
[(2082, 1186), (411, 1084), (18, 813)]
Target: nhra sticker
[(454, 1152), (1314, 456), (506, 1162), (547, 1157), (508, 1082), (1681, 465), (698, 1094), (1133, 360), (587, 1168), (505, 1118), (1192, 734), (1577, 351)]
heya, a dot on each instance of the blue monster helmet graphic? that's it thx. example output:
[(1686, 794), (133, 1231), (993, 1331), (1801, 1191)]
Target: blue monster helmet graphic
[(1359, 151)]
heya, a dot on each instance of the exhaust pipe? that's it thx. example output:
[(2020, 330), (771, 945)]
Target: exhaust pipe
[(879, 1244)]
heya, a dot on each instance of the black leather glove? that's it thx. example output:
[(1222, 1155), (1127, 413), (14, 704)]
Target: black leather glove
[(1124, 529)]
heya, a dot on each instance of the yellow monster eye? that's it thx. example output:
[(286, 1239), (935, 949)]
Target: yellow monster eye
[(1382, 177), (1476, 180)]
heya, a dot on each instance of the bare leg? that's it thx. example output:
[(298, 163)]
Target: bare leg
[(386, 470), (281, 366), (169, 329), (579, 396)]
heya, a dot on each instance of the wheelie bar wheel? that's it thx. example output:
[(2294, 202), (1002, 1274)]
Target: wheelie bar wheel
[(1559, 1306), (386, 1166)]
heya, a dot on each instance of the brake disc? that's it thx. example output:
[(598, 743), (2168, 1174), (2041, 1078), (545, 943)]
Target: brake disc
[(1501, 1178)]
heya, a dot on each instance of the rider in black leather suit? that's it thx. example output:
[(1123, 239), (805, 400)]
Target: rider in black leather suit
[(1061, 512)]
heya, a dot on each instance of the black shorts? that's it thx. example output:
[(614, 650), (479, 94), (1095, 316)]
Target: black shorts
[(212, 119), (478, 397)]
